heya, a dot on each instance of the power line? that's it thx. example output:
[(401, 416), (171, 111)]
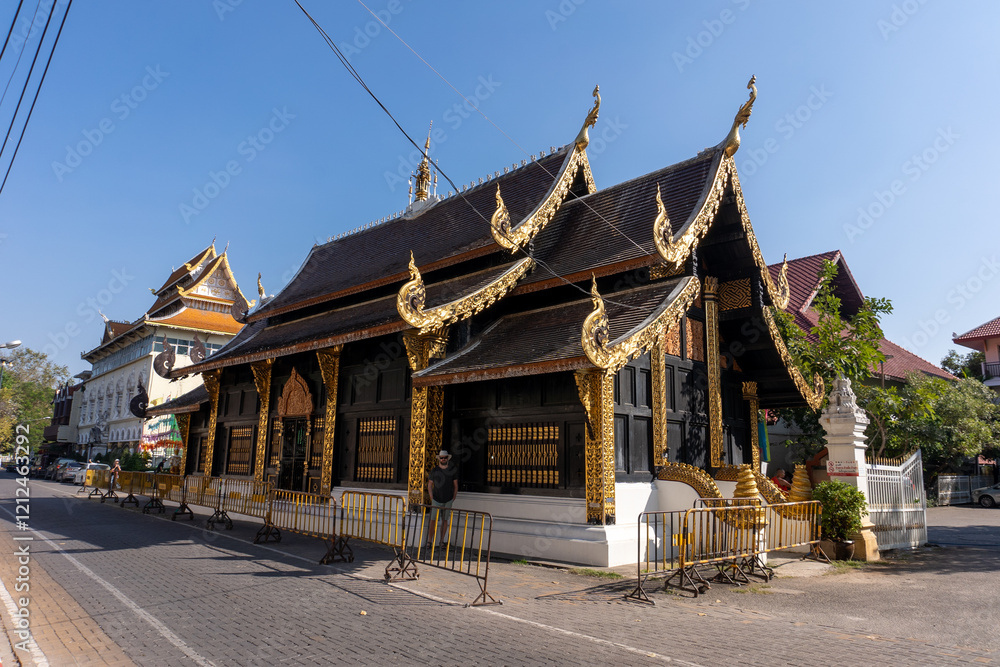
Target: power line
[(357, 77), (13, 22), (38, 89)]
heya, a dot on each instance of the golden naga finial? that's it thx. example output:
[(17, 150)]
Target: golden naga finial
[(663, 233), (583, 139), (732, 141), (784, 289), (260, 288), (596, 330), (500, 224), (424, 171), (411, 297)]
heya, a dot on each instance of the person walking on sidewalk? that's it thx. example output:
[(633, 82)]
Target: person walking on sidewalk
[(442, 485)]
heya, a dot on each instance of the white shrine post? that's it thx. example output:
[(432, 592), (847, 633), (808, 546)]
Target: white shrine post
[(844, 423)]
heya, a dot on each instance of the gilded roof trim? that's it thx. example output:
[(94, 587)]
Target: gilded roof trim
[(222, 261), (612, 356), (514, 238), (676, 251), (814, 395), (189, 266), (410, 300)]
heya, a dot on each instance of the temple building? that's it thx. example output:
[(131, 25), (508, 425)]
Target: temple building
[(986, 339), (191, 317), (585, 353)]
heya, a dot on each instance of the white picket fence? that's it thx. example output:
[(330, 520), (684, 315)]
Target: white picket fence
[(896, 503), (957, 489)]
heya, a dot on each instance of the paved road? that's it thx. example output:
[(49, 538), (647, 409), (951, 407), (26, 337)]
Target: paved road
[(112, 586), (964, 525)]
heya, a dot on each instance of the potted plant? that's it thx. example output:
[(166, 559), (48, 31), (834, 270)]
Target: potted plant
[(843, 507)]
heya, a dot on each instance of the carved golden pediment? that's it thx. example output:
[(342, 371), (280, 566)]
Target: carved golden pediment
[(613, 355), (412, 296), (296, 400), (694, 477)]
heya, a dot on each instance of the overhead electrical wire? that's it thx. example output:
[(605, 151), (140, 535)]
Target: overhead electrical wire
[(13, 22), (38, 89), (357, 77), (17, 63)]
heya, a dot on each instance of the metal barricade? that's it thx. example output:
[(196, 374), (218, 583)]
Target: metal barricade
[(172, 488), (372, 517), (308, 514), (112, 482), (450, 539), (95, 479), (660, 541), (242, 496), (726, 539), (131, 483), (792, 525)]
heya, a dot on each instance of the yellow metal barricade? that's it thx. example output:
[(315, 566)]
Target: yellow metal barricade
[(96, 480), (661, 540), (242, 496), (307, 514), (112, 482), (372, 517), (172, 488), (131, 483), (451, 539), (791, 525)]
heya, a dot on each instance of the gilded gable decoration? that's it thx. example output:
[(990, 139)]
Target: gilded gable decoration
[(583, 139), (613, 355), (412, 297), (732, 141), (696, 478), (296, 400)]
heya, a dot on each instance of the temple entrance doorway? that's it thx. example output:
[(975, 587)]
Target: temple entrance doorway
[(292, 464)]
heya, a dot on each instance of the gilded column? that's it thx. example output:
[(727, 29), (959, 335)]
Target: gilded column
[(596, 390), (750, 395), (184, 427), (329, 367), (426, 411), (711, 296), (212, 381), (262, 380), (658, 378)]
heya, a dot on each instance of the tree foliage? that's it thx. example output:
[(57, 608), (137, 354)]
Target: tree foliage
[(964, 365), (838, 344), (29, 383)]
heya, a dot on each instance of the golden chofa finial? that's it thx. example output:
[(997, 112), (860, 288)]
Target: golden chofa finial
[(732, 141), (260, 288), (424, 171), (583, 139)]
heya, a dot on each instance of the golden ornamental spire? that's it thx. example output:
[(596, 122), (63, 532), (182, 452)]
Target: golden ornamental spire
[(732, 141), (583, 139), (424, 171), (260, 288), (784, 289)]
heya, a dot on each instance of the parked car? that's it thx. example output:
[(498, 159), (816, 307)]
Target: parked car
[(36, 470), (80, 474), (988, 496), (55, 468), (66, 474)]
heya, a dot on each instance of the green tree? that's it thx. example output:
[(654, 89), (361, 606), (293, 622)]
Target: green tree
[(838, 344), (964, 365), (29, 384)]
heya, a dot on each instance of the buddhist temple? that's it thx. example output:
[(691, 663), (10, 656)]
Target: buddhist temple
[(585, 352), (190, 319)]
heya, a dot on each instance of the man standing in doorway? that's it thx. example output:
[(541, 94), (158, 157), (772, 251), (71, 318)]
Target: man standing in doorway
[(442, 484)]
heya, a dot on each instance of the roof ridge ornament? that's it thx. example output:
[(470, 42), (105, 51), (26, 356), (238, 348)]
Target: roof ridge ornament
[(500, 222), (583, 139), (260, 288), (732, 141), (663, 234), (784, 289)]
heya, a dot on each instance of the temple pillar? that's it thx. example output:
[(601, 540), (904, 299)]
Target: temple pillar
[(184, 427), (212, 380), (426, 411), (715, 434), (329, 367), (658, 375), (750, 396), (262, 380), (596, 390), (845, 423)]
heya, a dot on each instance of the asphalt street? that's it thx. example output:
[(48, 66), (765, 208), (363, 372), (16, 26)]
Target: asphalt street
[(113, 586)]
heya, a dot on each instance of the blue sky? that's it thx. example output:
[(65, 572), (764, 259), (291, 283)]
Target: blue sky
[(871, 133)]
